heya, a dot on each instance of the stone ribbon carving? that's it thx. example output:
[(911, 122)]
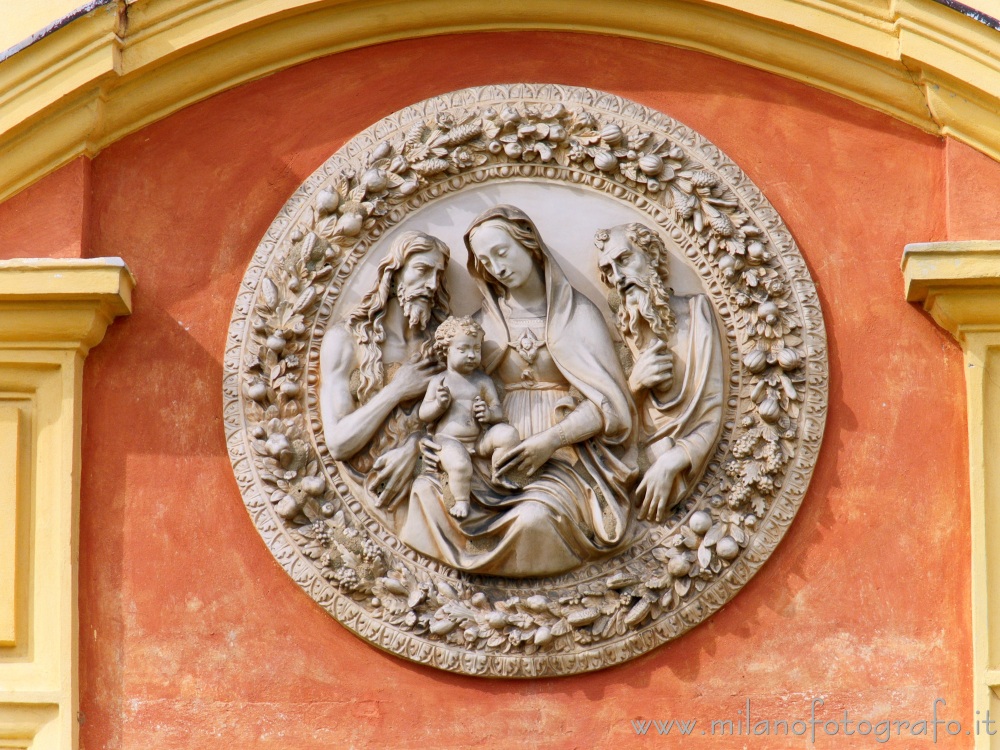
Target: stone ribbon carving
[(582, 464)]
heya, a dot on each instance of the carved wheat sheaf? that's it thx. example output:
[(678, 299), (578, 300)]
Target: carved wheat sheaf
[(674, 575)]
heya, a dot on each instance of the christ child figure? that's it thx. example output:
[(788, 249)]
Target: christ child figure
[(464, 408)]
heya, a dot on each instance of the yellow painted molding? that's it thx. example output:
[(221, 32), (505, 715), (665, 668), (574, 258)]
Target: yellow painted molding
[(10, 459), (959, 285), (51, 313), (132, 62)]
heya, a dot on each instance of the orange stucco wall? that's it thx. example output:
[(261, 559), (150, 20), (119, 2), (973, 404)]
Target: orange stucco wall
[(193, 637)]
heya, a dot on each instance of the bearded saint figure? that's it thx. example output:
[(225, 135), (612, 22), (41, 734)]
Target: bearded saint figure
[(677, 375), (375, 368)]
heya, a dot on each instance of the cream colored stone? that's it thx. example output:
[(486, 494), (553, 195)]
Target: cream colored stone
[(331, 402)]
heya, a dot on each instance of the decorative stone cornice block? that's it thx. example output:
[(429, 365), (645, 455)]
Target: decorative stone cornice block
[(957, 282), (51, 313)]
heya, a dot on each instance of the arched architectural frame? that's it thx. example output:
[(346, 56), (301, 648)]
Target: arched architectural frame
[(126, 63)]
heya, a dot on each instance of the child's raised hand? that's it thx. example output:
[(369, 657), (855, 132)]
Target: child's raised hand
[(443, 396), (480, 410)]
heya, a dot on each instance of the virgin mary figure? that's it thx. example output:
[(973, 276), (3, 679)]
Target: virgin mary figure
[(564, 390)]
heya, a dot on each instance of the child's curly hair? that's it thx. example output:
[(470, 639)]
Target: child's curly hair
[(449, 329)]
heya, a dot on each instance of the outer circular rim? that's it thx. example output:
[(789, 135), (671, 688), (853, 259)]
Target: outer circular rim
[(415, 641)]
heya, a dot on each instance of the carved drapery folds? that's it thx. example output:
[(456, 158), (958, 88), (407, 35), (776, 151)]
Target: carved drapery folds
[(666, 375)]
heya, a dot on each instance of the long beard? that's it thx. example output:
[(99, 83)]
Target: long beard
[(416, 309), (646, 303)]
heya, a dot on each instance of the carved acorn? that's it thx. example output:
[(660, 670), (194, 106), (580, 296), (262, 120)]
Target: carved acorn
[(729, 265), (651, 164), (612, 134), (375, 180), (509, 114), (479, 599), (678, 567), (769, 312), (399, 164), (543, 636), (605, 161), (408, 187), (287, 508), (314, 486), (350, 224), (769, 410), (756, 254), (727, 548), (257, 391), (537, 603), (700, 522), (382, 151), (789, 359), (276, 342), (327, 201), (496, 620), (755, 361), (513, 150)]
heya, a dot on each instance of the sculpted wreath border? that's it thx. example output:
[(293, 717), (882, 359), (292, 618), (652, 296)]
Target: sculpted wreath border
[(674, 576)]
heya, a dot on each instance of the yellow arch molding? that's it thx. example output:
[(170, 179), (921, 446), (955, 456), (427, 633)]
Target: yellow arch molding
[(131, 62)]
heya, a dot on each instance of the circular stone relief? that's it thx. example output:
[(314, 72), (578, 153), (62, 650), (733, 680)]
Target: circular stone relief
[(525, 380)]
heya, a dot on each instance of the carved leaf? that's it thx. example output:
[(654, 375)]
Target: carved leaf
[(715, 533), (704, 555)]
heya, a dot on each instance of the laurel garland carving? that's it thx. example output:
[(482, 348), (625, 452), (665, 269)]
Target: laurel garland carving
[(677, 575)]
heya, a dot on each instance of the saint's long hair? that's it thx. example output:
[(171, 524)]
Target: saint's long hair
[(366, 319)]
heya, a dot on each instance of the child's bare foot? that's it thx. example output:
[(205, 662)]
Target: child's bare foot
[(460, 509)]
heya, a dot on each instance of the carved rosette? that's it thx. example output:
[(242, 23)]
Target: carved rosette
[(673, 576)]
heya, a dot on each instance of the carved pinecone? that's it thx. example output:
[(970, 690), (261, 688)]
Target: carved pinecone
[(704, 179), (464, 133), (429, 167), (722, 225), (414, 135)]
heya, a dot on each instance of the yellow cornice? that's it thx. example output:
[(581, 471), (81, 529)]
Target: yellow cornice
[(128, 64), (957, 282)]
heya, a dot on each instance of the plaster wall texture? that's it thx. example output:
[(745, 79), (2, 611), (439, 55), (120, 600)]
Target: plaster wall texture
[(192, 636)]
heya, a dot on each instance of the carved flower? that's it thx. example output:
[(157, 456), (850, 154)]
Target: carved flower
[(465, 158)]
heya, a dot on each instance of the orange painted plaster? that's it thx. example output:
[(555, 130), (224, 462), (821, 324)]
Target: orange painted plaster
[(973, 194), (193, 637), (51, 219)]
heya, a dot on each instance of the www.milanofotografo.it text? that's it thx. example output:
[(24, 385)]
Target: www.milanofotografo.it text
[(819, 723)]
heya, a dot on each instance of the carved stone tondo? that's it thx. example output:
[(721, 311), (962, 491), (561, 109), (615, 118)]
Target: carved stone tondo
[(525, 380)]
